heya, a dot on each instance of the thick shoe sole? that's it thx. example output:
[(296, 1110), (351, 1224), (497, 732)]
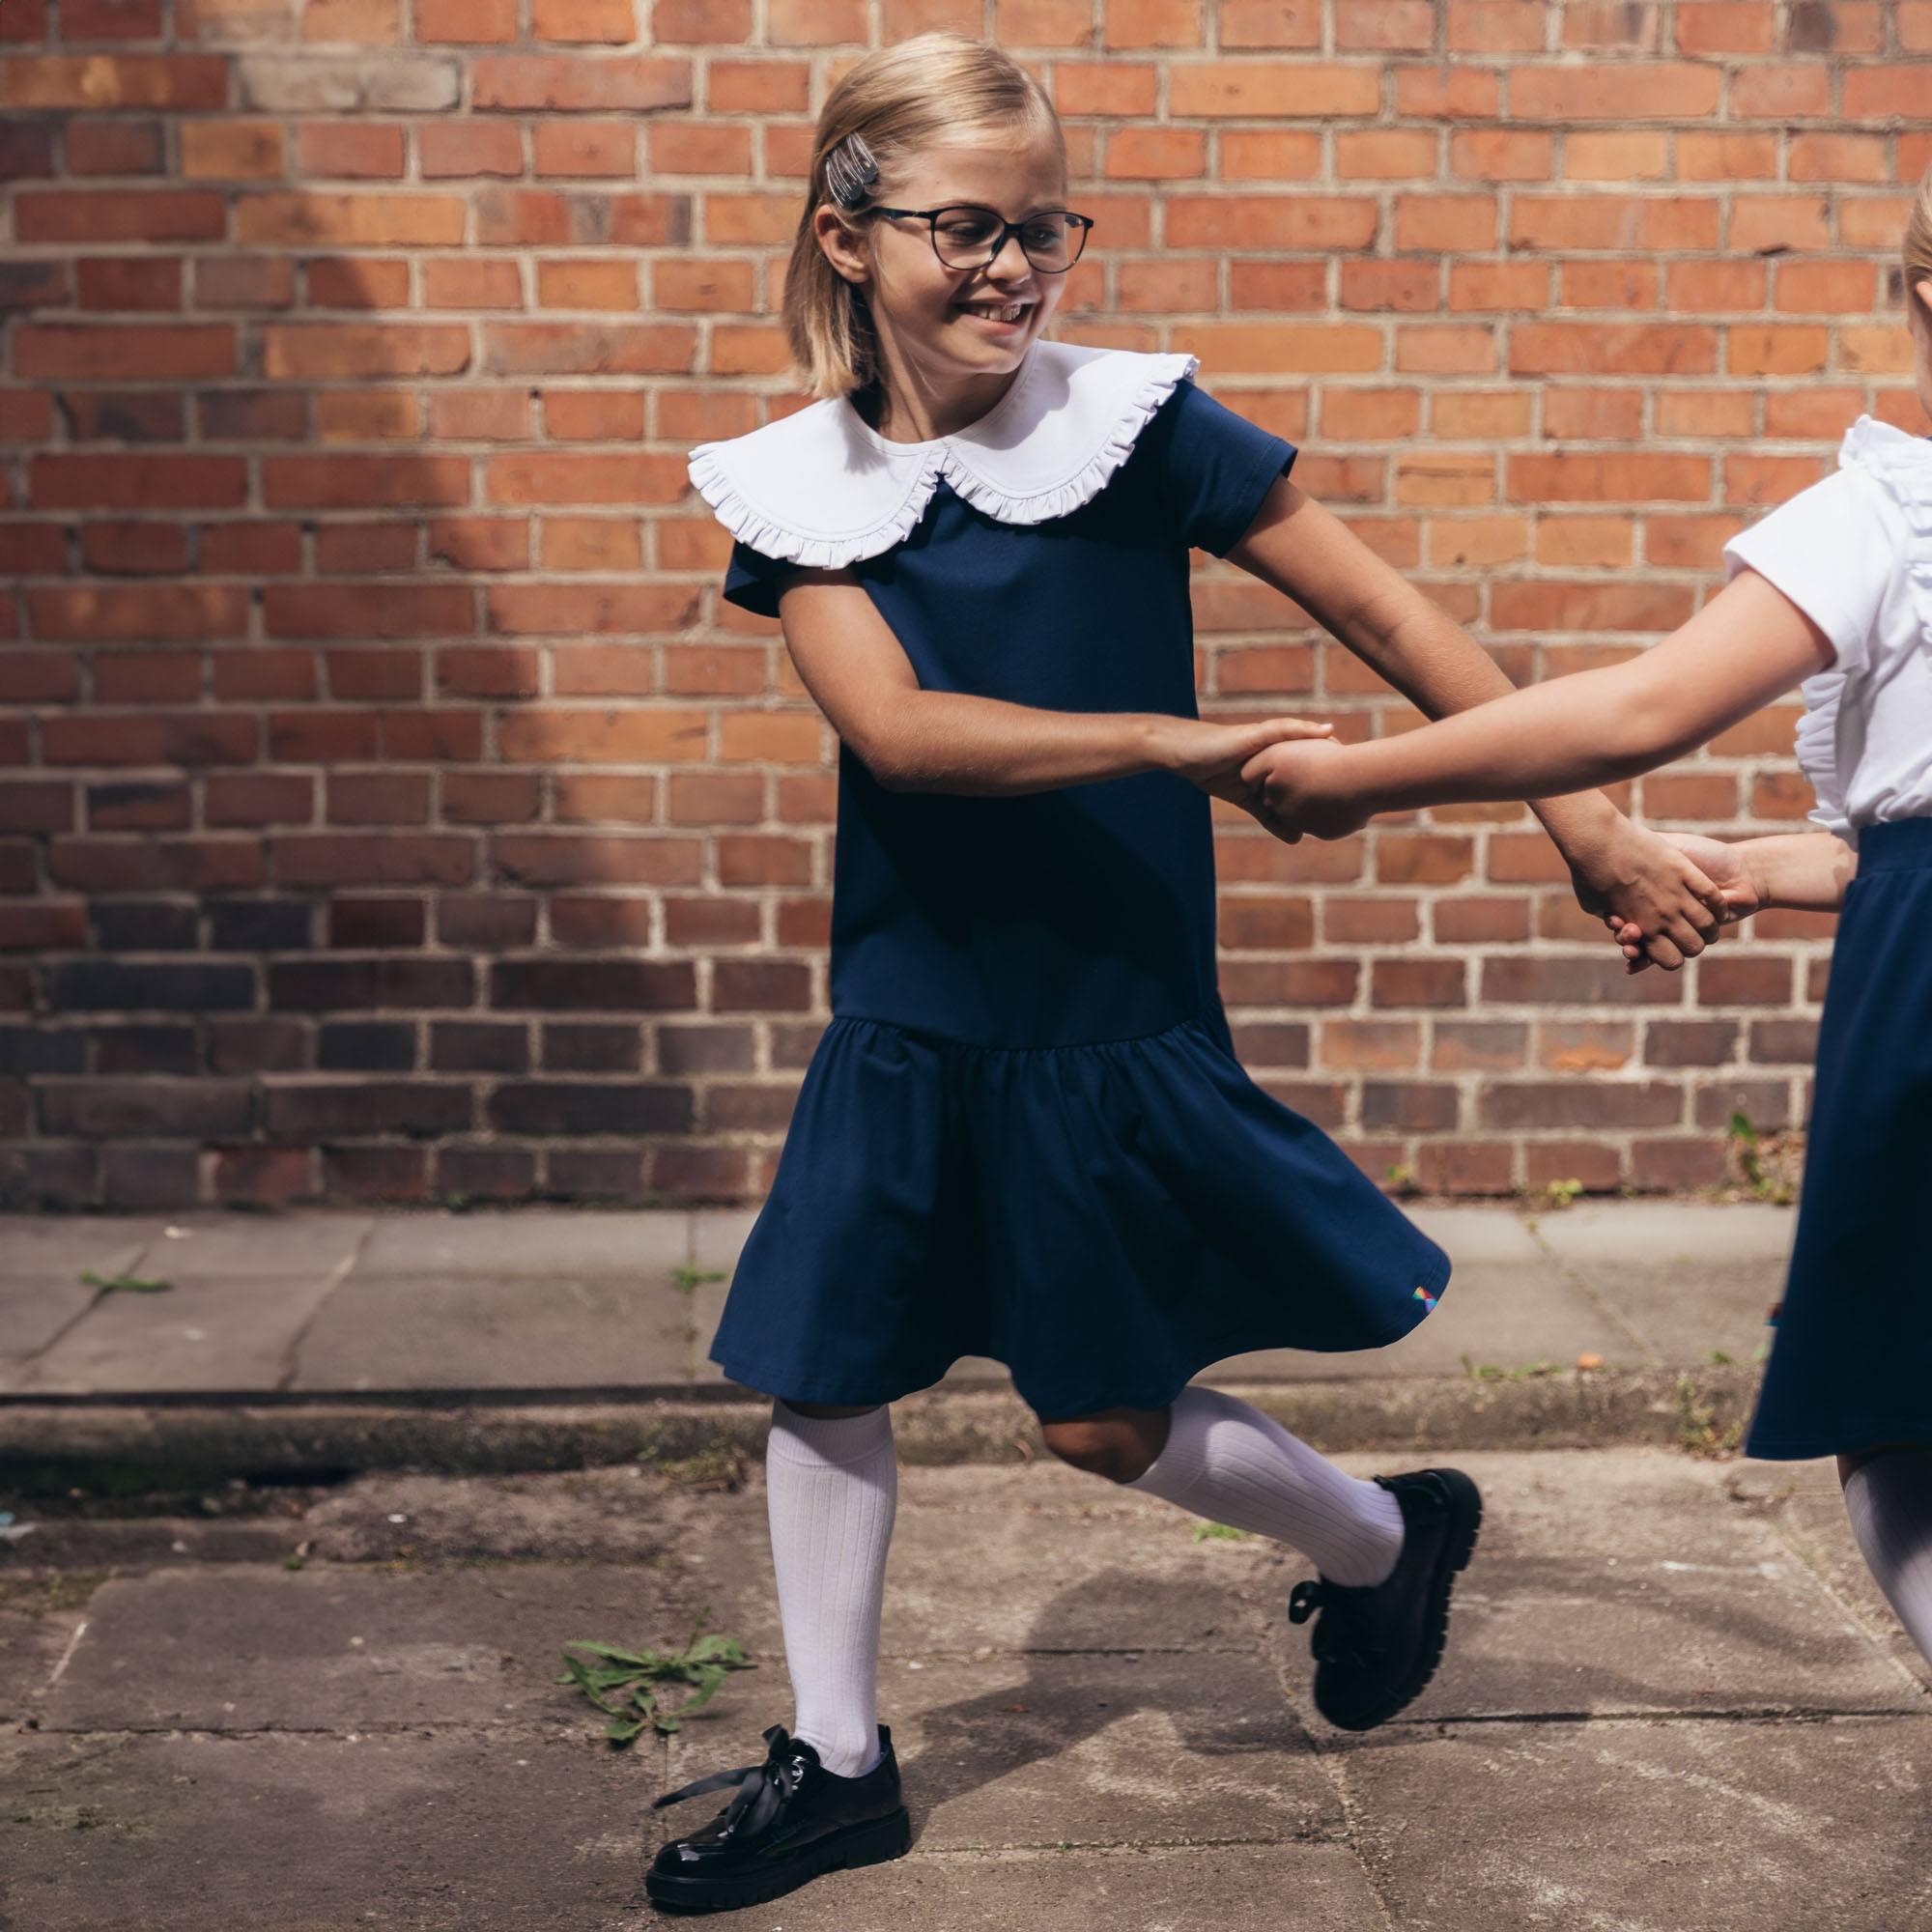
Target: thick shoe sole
[(1458, 1547), (873, 1843)]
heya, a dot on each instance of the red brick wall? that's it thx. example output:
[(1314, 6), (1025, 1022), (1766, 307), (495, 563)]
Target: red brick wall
[(391, 806)]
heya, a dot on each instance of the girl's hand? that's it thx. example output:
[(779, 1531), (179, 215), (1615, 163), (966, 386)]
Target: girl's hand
[(1640, 879), (1211, 756), (1299, 789), (1727, 867)]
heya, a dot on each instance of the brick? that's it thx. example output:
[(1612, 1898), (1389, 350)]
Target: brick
[(1271, 90), (1607, 479), (1502, 155), (1633, 91), (92, 83), (1894, 92), (354, 152), (458, 149), (90, 215), (610, 985), (1453, 223), (527, 84), (241, 151), (1613, 24), (1273, 221), (1408, 154)]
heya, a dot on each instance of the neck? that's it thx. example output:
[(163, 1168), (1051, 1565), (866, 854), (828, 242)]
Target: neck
[(904, 409)]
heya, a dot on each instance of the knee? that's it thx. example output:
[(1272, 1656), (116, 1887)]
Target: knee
[(1121, 1445)]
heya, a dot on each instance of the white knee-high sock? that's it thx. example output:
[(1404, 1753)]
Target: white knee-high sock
[(1231, 1464), (832, 1487), (1890, 1501)]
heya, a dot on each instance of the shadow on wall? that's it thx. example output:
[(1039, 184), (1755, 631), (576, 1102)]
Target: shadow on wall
[(383, 821)]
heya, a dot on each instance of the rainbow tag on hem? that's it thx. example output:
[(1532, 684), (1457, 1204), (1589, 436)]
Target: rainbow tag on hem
[(1428, 1300)]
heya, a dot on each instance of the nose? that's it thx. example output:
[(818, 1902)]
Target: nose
[(1012, 241)]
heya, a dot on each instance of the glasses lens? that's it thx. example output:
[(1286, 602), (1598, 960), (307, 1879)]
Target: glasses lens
[(965, 238)]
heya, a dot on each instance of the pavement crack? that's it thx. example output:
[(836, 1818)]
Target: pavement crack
[(339, 1273), (1602, 1303), (1747, 1713)]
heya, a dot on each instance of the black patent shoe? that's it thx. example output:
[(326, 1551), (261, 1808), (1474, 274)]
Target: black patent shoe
[(1375, 1646), (789, 1819)]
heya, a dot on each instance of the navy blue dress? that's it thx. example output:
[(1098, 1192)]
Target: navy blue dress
[(1849, 1363), (1024, 1134)]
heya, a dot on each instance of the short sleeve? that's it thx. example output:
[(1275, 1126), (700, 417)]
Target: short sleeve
[(1216, 467), (753, 580), (1834, 551)]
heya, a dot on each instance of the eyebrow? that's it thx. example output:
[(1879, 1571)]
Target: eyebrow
[(967, 201)]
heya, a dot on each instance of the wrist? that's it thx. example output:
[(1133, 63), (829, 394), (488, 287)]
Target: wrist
[(1583, 825)]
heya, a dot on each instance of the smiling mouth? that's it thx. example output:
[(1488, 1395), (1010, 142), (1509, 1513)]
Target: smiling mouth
[(999, 311)]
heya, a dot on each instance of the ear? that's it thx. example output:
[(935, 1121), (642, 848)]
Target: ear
[(844, 247), (1922, 289)]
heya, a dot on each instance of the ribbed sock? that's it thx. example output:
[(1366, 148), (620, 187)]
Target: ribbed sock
[(1230, 1463), (1890, 1501), (832, 1487)]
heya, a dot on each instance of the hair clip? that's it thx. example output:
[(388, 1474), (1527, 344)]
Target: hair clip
[(851, 171)]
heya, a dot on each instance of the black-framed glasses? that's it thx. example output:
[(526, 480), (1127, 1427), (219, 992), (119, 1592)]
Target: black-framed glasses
[(966, 237)]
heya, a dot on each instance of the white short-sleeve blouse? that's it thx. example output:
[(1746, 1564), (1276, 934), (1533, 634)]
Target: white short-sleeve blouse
[(1853, 553)]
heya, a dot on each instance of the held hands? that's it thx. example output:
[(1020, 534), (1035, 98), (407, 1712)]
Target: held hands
[(1213, 755), (1737, 893), (1294, 790)]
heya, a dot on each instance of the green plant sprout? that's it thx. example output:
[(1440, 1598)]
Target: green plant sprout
[(625, 1684), (124, 1283)]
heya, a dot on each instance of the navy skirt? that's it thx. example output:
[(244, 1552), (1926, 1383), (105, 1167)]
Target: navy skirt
[(1106, 1219), (1850, 1366)]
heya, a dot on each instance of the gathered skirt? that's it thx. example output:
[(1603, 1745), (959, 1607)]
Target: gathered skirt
[(1106, 1219), (1851, 1362)]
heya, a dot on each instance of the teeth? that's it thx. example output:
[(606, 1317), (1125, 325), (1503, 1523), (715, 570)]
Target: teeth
[(1005, 311)]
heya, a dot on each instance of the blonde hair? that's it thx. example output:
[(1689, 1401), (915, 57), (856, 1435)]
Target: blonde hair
[(1917, 251), (924, 91)]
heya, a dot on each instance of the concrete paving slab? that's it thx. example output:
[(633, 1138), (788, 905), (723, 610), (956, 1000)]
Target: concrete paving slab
[(564, 1329), (34, 1309), (619, 1515), (243, 1649), (718, 1235), (205, 1333), (1648, 1826), (457, 1836), (1626, 1581), (1805, 1504), (964, 1576), (62, 1245), (1504, 1315), (538, 1241), (33, 1638), (210, 1246), (1614, 1233), (1690, 1278), (307, 1834), (1052, 1751)]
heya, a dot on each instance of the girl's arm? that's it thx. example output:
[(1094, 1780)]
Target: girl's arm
[(1619, 868), (1749, 644), (911, 739)]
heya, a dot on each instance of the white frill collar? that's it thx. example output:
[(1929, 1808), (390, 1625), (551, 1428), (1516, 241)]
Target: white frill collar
[(821, 487), (1902, 467)]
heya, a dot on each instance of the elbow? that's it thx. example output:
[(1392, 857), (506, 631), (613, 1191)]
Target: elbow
[(885, 757)]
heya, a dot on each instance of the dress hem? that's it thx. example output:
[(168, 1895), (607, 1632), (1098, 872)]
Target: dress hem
[(841, 1394), (1855, 1442)]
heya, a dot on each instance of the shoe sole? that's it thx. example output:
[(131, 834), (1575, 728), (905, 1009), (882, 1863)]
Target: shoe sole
[(873, 1843), (1467, 1502)]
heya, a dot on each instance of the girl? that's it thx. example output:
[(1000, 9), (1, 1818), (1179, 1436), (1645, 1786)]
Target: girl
[(1834, 589), (1024, 1134)]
